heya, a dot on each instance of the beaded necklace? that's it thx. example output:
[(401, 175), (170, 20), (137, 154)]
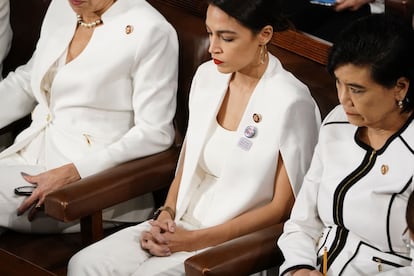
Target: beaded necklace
[(90, 24)]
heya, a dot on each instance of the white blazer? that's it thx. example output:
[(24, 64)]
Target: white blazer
[(5, 31), (289, 124), (352, 202), (113, 103)]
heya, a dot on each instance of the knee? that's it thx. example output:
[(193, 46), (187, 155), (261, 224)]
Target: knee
[(80, 264)]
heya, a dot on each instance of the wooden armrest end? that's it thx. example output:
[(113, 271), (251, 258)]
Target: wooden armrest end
[(112, 186), (241, 256)]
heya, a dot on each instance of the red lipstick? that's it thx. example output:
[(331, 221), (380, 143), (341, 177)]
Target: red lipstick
[(217, 61)]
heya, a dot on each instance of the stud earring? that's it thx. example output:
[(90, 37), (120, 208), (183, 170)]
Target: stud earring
[(400, 104)]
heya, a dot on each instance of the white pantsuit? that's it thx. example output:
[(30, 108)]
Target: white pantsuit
[(352, 202), (288, 126), (115, 102)]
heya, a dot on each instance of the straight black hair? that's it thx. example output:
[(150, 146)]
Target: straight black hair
[(254, 14), (382, 42)]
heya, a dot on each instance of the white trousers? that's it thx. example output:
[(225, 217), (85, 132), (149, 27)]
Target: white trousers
[(121, 254), (31, 160)]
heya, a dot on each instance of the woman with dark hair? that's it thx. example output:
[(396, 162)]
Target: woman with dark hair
[(251, 133), (349, 215)]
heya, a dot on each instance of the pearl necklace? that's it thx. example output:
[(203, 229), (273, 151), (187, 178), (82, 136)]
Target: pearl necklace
[(88, 25)]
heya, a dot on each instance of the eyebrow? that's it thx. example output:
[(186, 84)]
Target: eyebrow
[(222, 31), (355, 85), (226, 32)]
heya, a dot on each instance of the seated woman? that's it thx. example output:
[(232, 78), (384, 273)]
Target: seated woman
[(101, 89), (251, 133), (354, 195)]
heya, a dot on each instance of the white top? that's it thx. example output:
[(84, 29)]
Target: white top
[(377, 6), (212, 161)]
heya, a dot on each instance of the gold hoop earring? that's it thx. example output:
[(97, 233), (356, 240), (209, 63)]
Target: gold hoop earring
[(263, 54)]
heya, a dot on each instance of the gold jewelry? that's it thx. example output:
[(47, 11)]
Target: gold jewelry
[(263, 54), (164, 208), (90, 24)]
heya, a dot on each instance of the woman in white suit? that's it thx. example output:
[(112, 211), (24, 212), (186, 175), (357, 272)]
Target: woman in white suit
[(251, 133), (350, 212), (101, 89)]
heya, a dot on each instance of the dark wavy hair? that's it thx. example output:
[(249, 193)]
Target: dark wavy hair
[(382, 42), (254, 14)]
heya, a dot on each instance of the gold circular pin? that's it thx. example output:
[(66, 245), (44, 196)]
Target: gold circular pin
[(384, 169), (257, 117), (129, 29)]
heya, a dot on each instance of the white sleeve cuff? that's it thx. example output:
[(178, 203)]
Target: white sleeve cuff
[(377, 6)]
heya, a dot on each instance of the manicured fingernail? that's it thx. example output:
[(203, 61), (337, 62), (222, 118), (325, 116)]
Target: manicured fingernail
[(24, 174)]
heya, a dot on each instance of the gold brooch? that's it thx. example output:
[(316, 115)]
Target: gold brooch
[(129, 29), (384, 169)]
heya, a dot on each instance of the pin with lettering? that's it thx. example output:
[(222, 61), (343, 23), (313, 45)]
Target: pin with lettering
[(245, 144), (250, 131)]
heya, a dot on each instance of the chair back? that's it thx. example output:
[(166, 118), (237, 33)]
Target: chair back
[(193, 43)]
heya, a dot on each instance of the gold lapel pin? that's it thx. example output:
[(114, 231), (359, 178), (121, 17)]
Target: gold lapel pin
[(384, 169), (257, 117), (129, 29)]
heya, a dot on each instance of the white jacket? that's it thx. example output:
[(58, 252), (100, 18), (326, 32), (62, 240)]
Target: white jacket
[(289, 126), (353, 202), (113, 103)]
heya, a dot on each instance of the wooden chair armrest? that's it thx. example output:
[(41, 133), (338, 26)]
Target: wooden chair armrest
[(126, 181), (241, 256)]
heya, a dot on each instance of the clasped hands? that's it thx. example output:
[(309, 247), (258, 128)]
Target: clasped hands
[(46, 183), (165, 238)]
